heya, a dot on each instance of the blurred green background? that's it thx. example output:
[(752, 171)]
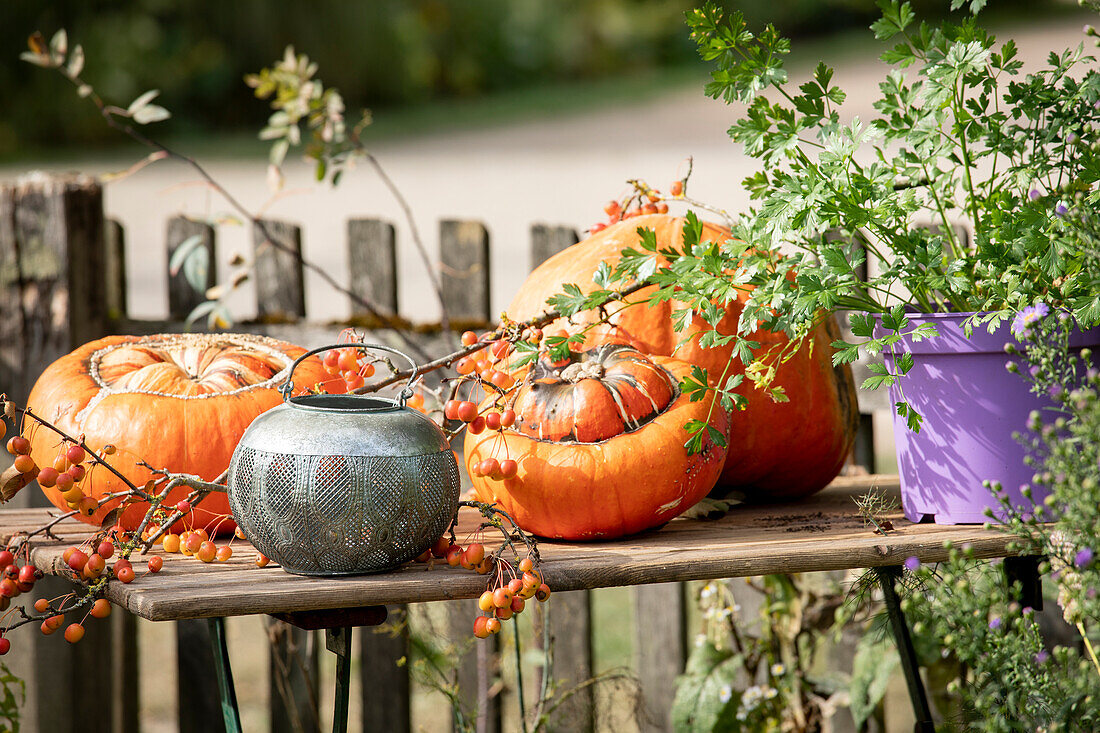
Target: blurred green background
[(381, 54)]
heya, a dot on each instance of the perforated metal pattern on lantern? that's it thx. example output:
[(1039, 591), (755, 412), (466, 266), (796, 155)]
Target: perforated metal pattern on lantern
[(343, 484)]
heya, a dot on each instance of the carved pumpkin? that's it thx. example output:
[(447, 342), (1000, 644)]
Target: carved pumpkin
[(599, 444), (777, 450), (180, 402)]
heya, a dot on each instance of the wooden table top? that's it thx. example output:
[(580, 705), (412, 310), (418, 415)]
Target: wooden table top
[(823, 532)]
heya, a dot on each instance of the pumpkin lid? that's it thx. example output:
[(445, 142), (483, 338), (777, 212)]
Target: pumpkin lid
[(598, 394)]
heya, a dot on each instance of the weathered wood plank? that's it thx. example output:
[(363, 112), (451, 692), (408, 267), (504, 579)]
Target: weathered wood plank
[(114, 270), (372, 262), (295, 676), (53, 298), (182, 296), (476, 668), (547, 241), (280, 283), (660, 650), (464, 252), (385, 680), (819, 533), (570, 619)]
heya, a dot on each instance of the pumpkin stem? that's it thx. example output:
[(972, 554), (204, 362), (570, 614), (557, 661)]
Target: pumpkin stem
[(579, 370)]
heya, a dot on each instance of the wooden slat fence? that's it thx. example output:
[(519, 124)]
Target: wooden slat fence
[(62, 283)]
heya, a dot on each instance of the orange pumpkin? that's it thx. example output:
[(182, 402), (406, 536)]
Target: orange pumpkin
[(179, 402), (599, 443), (777, 450)]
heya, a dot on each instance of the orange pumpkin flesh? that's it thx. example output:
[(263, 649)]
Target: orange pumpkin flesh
[(777, 450), (634, 473), (180, 402)]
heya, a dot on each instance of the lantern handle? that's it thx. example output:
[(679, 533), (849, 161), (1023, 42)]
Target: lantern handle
[(406, 392)]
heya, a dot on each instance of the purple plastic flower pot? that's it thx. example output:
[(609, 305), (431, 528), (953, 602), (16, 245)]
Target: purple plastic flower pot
[(971, 405)]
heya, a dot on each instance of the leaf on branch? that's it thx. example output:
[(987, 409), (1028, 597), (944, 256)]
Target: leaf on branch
[(142, 100), (182, 252), (151, 113), (59, 45), (76, 62), (196, 268), (37, 59)]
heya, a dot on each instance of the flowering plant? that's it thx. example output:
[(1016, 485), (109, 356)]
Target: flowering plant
[(962, 137)]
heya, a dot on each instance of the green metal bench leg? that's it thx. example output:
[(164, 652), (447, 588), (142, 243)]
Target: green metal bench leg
[(338, 641), (887, 576), (1025, 571), (225, 676)]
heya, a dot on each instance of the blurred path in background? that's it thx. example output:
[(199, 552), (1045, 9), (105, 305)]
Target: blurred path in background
[(559, 170)]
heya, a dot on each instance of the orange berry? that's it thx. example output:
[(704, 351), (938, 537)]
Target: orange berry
[(262, 561), (353, 381), (507, 418), (239, 534), (156, 562), (466, 411), (202, 533), (492, 625), (5, 643), (101, 608), (677, 188), (469, 338), (475, 553), (47, 477), (612, 207), (465, 365), (485, 602), (77, 472), (23, 463), (171, 542), (191, 545), (61, 463), (488, 467), (41, 605), (662, 208), (224, 553), (96, 564), (450, 409), (105, 549), (77, 559), (508, 468), (543, 592), (484, 566), (649, 209), (18, 445), (479, 627), (46, 628), (454, 556), (73, 494), (367, 370), (501, 597), (207, 551), (74, 633), (87, 506), (125, 575), (477, 426), (348, 360), (515, 585), (492, 420), (440, 547), (504, 613), (597, 227), (75, 454), (517, 605), (526, 565), (108, 450), (64, 481), (531, 578)]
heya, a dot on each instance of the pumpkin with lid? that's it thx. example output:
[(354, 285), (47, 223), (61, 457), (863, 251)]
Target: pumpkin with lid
[(343, 484)]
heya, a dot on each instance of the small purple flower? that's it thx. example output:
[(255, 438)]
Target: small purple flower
[(1060, 210), (912, 563), (1034, 194), (1033, 371), (1056, 392), (1028, 612), (1083, 558), (1028, 317), (995, 623), (1071, 138), (1042, 657)]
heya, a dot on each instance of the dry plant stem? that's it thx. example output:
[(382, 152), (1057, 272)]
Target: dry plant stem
[(26, 411), (1088, 646), (445, 361), (109, 113), (429, 267), (200, 490)]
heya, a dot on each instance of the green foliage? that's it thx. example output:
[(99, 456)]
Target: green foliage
[(738, 680), (13, 693), (874, 663), (964, 135)]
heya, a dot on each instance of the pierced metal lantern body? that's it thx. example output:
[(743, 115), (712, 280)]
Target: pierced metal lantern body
[(343, 484)]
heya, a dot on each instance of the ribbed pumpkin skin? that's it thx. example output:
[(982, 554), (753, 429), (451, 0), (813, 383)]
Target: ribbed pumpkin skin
[(778, 451), (619, 486), (123, 390)]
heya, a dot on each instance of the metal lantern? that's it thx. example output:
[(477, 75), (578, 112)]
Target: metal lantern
[(343, 484)]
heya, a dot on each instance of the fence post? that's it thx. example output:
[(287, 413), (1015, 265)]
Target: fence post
[(660, 631), (464, 252), (372, 262), (52, 295), (385, 685), (547, 241), (295, 674), (114, 270), (182, 296), (570, 616), (280, 285)]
